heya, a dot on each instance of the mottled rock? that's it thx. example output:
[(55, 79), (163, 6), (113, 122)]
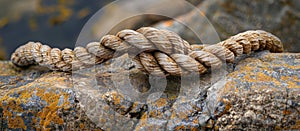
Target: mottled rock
[(229, 17), (260, 91), (36, 99)]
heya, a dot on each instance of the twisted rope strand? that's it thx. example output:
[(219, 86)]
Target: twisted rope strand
[(157, 52)]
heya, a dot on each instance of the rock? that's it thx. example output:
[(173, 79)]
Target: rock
[(2, 51), (36, 99), (133, 15), (260, 91), (229, 17)]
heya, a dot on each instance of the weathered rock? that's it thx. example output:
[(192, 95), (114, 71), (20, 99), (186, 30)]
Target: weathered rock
[(262, 93), (259, 92), (36, 99), (229, 17)]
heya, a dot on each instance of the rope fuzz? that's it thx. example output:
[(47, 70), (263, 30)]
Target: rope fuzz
[(157, 52)]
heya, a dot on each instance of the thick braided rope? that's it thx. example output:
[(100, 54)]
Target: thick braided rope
[(159, 52)]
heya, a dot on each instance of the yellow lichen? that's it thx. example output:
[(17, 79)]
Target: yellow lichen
[(161, 102), (33, 24), (81, 126), (3, 22), (83, 13), (47, 92), (16, 122), (286, 112)]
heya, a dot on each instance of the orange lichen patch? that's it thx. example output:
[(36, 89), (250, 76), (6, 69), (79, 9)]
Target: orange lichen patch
[(286, 78), (3, 22), (196, 121), (230, 86), (10, 105), (64, 15), (16, 123), (202, 13), (144, 118), (298, 122), (62, 9), (83, 13), (49, 113), (44, 89), (286, 112), (33, 24), (292, 84), (278, 128), (180, 114), (294, 67), (143, 121), (292, 81), (168, 23), (160, 102), (81, 125), (210, 124), (179, 128), (66, 2), (155, 113), (115, 97), (293, 127), (227, 106), (263, 77), (257, 76), (194, 129), (102, 120)]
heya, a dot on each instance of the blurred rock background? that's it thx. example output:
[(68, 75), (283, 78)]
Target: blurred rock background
[(59, 22), (229, 17), (55, 22)]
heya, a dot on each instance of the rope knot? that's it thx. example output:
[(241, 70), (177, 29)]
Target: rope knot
[(157, 52)]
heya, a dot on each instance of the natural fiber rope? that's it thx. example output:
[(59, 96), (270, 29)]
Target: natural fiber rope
[(159, 52)]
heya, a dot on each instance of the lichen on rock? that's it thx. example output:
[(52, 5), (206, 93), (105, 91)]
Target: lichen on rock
[(261, 92)]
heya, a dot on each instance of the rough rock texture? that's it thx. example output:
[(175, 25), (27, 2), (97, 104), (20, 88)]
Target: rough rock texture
[(228, 17), (262, 92), (259, 92), (36, 99)]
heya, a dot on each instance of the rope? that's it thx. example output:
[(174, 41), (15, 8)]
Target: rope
[(157, 52)]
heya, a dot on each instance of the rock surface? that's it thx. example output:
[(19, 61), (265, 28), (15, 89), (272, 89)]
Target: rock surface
[(229, 17), (260, 91)]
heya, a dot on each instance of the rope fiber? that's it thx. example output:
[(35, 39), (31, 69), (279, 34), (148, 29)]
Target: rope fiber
[(157, 52)]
